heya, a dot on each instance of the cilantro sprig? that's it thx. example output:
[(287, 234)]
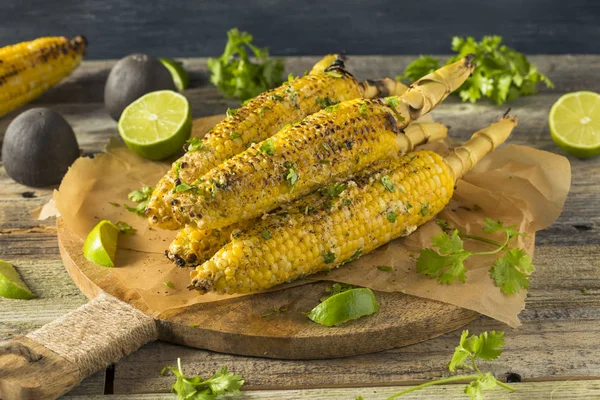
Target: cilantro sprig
[(235, 75), (502, 74), (510, 272), (488, 347), (220, 383), (142, 197)]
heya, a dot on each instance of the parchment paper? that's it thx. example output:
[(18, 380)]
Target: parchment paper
[(515, 184)]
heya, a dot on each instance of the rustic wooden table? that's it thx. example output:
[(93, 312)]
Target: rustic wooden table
[(555, 352)]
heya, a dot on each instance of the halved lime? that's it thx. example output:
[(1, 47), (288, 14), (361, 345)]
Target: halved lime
[(157, 124), (345, 306), (11, 284), (180, 75), (575, 123), (100, 246)]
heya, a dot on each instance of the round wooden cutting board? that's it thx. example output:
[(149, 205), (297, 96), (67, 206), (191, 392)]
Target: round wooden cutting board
[(238, 326)]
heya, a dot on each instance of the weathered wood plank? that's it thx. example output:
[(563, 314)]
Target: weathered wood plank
[(563, 390), (552, 343)]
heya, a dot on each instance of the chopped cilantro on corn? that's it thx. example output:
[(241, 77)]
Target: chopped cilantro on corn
[(328, 146), (255, 121), (412, 188)]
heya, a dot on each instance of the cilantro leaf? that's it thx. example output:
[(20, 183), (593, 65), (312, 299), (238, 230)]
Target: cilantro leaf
[(364, 110), (448, 266), (511, 272), (419, 68), (235, 75), (491, 226), (266, 234), (475, 388), (325, 102), (140, 195), (335, 289), (195, 143), (268, 147), (328, 257), (387, 183), (502, 74), (385, 268), (124, 227), (333, 190), (220, 383), (291, 175), (487, 346)]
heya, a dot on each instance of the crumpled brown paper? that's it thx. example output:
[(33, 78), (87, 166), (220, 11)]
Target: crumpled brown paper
[(515, 184)]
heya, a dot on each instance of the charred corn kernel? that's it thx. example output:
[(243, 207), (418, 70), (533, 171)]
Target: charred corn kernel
[(368, 225), (28, 69), (193, 246), (334, 233), (328, 146), (258, 120)]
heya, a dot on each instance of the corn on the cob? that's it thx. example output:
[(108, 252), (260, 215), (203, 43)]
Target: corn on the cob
[(261, 118), (28, 69), (325, 147), (373, 209), (193, 246)]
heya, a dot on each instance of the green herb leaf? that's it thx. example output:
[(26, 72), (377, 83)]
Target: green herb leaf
[(385, 268), (235, 135), (290, 77), (184, 187), (333, 74), (291, 176), (332, 108), (392, 216), (355, 256), (266, 234), (113, 203), (511, 272), (276, 97), (328, 257), (140, 195), (230, 112), (419, 68), (235, 75), (333, 190), (124, 227), (447, 265), (364, 110), (425, 209), (487, 346), (220, 383), (388, 184), (325, 102), (268, 147), (492, 226), (393, 103), (195, 144), (169, 284)]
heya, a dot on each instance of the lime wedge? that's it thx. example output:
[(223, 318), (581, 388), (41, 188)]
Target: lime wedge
[(156, 125), (575, 123), (344, 307), (180, 75), (11, 284), (100, 245)]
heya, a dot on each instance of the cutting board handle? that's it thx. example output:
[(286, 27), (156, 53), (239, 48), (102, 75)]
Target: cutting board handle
[(50, 361)]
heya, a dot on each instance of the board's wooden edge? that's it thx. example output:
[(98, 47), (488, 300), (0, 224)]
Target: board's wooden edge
[(305, 340)]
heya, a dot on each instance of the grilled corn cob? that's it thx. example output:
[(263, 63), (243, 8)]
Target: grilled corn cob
[(261, 118), (28, 69), (373, 209), (325, 147), (193, 246)]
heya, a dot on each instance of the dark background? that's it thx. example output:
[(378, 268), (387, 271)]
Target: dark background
[(179, 28)]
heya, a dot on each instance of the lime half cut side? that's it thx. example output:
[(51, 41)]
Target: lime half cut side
[(11, 284), (156, 125), (100, 246), (574, 122)]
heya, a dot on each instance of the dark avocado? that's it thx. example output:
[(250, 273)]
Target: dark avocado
[(131, 78), (38, 148)]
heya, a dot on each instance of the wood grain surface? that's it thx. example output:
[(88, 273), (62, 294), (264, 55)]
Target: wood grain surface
[(560, 336), (116, 28)]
